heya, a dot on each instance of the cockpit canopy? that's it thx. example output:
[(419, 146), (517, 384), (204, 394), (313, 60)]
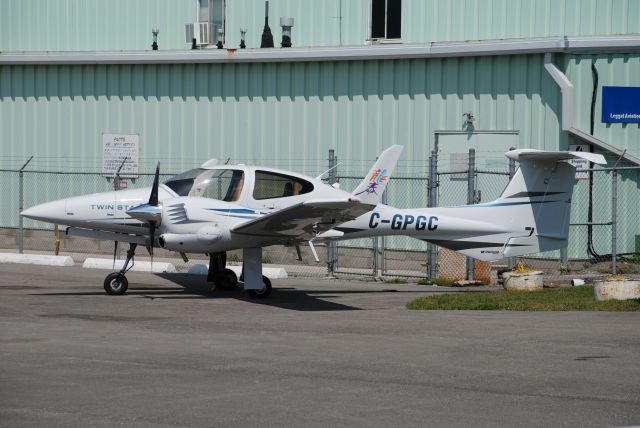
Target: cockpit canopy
[(228, 184)]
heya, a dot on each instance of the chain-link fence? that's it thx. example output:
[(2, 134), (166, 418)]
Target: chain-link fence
[(604, 234)]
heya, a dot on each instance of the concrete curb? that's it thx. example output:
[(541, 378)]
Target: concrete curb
[(107, 264), (36, 259), (271, 273)]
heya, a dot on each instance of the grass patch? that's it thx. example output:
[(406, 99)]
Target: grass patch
[(233, 258), (548, 299), (438, 281), (449, 283), (625, 269), (396, 281), (635, 258)]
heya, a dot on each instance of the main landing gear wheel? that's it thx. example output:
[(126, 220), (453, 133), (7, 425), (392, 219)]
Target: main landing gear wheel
[(116, 284), (226, 280), (265, 292)]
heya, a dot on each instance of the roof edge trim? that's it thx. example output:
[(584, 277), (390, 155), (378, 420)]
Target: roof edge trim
[(586, 44)]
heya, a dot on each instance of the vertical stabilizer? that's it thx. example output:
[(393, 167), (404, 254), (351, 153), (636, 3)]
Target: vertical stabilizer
[(370, 190), (532, 214)]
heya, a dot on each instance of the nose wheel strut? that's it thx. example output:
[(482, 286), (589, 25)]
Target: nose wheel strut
[(218, 274), (116, 283)]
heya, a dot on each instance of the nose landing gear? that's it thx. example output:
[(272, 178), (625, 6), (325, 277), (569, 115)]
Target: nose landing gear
[(218, 274), (116, 283)]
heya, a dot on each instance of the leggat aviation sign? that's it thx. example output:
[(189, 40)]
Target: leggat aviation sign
[(620, 104)]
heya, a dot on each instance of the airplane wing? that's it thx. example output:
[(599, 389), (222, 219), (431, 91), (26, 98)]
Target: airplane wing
[(305, 220)]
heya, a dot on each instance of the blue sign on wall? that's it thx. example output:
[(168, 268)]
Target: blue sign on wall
[(620, 104)]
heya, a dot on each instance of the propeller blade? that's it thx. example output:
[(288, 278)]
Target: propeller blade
[(143, 211), (152, 238), (153, 198)]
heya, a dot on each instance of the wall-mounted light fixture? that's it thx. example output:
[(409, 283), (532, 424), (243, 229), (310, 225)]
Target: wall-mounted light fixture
[(468, 123)]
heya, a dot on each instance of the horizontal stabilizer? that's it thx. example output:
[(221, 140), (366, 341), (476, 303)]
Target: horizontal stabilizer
[(542, 155)]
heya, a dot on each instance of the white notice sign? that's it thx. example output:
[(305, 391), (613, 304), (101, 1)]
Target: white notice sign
[(117, 147), (580, 163)]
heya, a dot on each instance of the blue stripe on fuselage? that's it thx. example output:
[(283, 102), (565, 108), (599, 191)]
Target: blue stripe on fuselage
[(503, 204)]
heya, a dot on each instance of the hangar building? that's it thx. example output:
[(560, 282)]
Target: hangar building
[(361, 75)]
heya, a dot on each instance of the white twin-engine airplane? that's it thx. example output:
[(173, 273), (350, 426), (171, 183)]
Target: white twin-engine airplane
[(218, 208)]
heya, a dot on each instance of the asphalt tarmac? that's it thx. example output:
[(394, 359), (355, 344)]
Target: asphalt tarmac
[(317, 353)]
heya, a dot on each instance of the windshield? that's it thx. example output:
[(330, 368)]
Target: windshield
[(222, 184), (182, 183)]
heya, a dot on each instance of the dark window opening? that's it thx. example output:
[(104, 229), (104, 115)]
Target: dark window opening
[(270, 185), (386, 17)]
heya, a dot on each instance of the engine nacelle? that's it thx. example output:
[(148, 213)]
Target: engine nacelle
[(199, 242)]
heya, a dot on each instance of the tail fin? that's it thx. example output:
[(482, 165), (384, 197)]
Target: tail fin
[(532, 214), (544, 188), (370, 190)]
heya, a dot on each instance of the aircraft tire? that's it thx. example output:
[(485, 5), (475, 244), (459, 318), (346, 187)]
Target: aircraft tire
[(226, 280), (265, 292), (116, 284)]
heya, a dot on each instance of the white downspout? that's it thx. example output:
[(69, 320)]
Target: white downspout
[(566, 87)]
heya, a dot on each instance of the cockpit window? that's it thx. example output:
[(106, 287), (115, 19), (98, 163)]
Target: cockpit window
[(182, 183), (222, 184), (270, 185)]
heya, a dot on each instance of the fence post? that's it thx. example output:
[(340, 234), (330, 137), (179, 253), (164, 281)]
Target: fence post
[(432, 200), (21, 206), (331, 246), (374, 259), (614, 220), (116, 187), (471, 199), (383, 263), (511, 261)]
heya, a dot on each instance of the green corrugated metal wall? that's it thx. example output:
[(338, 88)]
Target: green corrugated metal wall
[(289, 114), (79, 25), (280, 113), (613, 70), (92, 25)]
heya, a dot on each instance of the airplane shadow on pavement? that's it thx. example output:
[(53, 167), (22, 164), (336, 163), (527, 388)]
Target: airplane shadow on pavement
[(196, 287)]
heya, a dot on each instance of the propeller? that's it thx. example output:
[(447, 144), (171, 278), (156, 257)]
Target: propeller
[(150, 212), (153, 201)]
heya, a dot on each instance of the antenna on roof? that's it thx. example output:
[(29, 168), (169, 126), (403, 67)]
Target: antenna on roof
[(267, 37)]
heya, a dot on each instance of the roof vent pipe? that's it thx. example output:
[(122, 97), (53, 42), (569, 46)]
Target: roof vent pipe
[(243, 35), (154, 45), (267, 37), (220, 37), (286, 24)]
